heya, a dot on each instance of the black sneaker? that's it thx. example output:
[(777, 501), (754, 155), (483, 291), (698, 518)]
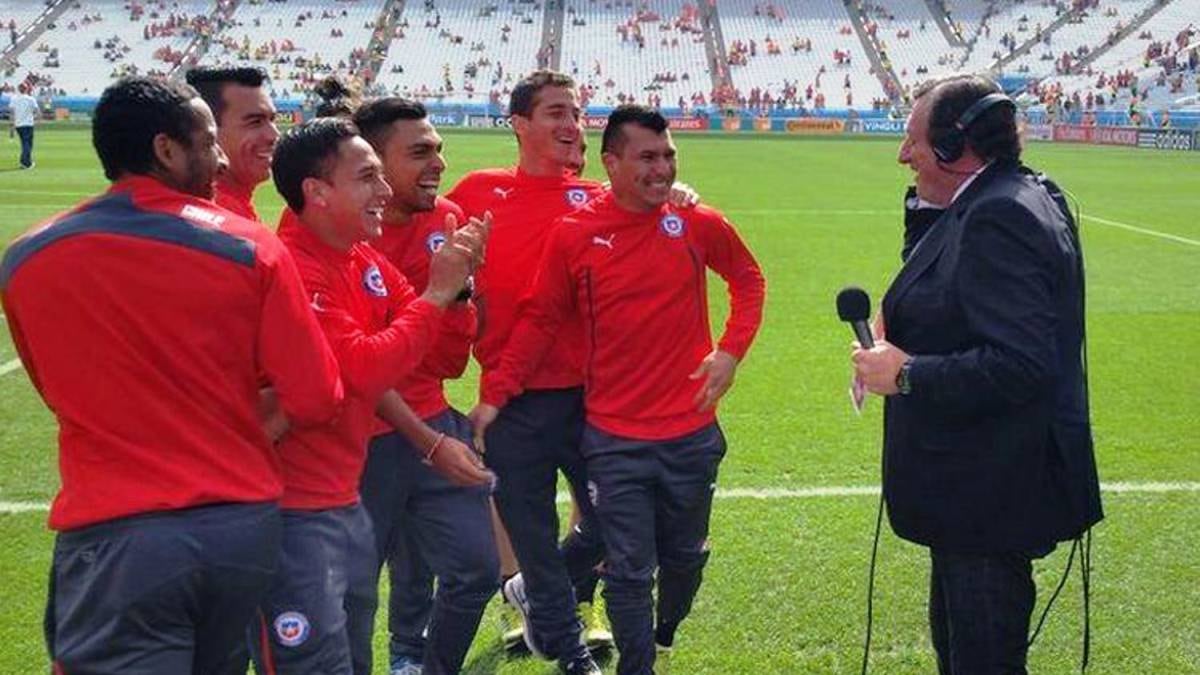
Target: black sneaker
[(581, 665)]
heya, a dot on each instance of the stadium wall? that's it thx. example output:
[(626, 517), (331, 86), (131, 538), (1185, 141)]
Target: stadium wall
[(825, 123)]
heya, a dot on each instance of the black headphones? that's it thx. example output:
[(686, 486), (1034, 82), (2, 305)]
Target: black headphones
[(950, 144)]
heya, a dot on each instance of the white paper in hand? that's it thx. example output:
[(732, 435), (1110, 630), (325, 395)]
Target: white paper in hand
[(858, 394)]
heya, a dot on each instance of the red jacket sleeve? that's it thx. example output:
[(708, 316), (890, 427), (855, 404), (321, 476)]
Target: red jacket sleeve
[(372, 361), (727, 255), (292, 352), (449, 360), (550, 300)]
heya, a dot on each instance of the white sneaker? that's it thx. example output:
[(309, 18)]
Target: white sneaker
[(513, 592), (405, 666)]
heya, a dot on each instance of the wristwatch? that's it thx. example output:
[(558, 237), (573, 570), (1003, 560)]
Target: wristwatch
[(902, 378)]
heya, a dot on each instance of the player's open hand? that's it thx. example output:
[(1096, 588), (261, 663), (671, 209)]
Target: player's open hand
[(459, 464), (471, 238), (482, 416), (717, 370)]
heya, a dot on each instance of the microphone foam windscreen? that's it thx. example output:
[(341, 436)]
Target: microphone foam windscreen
[(853, 304)]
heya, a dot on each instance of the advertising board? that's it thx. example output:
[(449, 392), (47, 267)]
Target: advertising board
[(1038, 132), (1075, 133), (894, 127), (446, 119), (814, 126), (596, 122), (1165, 139), (689, 123)]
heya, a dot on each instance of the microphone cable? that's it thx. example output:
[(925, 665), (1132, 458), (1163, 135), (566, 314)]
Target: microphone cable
[(871, 585), (1082, 543)]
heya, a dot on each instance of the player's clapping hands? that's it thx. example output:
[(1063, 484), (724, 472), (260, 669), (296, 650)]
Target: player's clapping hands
[(453, 262)]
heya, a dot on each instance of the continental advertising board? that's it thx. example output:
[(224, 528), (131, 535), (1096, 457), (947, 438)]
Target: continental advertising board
[(817, 126)]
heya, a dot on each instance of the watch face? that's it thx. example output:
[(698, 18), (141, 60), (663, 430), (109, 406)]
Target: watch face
[(902, 382)]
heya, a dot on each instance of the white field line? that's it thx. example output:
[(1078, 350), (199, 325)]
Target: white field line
[(775, 494), (15, 364), (883, 212), (1142, 230)]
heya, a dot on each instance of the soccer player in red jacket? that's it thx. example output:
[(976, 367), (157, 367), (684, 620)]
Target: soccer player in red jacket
[(145, 318), (246, 131), (539, 434), (379, 331), (632, 269), (247, 134), (425, 526)]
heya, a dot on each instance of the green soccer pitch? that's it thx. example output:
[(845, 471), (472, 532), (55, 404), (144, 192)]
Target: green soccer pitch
[(785, 589)]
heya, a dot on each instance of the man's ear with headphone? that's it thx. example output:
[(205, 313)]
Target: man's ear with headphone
[(949, 143)]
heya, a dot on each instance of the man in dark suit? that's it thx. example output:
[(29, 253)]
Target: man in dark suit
[(987, 442)]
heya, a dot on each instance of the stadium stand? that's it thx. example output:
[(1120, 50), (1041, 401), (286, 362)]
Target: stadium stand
[(19, 24), (649, 52), (96, 41), (966, 16), (1061, 49), (908, 37), (787, 56), (297, 42), (818, 53), (1145, 73), (459, 52), (16, 16), (1006, 25)]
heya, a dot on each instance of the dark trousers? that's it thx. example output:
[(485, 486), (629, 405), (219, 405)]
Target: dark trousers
[(653, 500), (410, 600), (26, 135), (426, 525), (537, 435), (979, 609), (324, 577), (169, 592)]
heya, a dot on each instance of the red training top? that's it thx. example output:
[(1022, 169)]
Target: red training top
[(236, 198), (638, 281), (144, 318), (379, 331), (408, 246), (524, 208)]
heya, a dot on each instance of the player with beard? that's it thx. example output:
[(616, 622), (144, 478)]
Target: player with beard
[(145, 318), (424, 524)]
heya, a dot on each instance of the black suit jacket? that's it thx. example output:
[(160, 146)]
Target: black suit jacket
[(992, 450)]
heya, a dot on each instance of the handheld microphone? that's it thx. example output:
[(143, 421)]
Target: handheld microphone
[(854, 307)]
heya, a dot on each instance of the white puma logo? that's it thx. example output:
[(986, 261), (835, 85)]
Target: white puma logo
[(503, 193), (601, 241)]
